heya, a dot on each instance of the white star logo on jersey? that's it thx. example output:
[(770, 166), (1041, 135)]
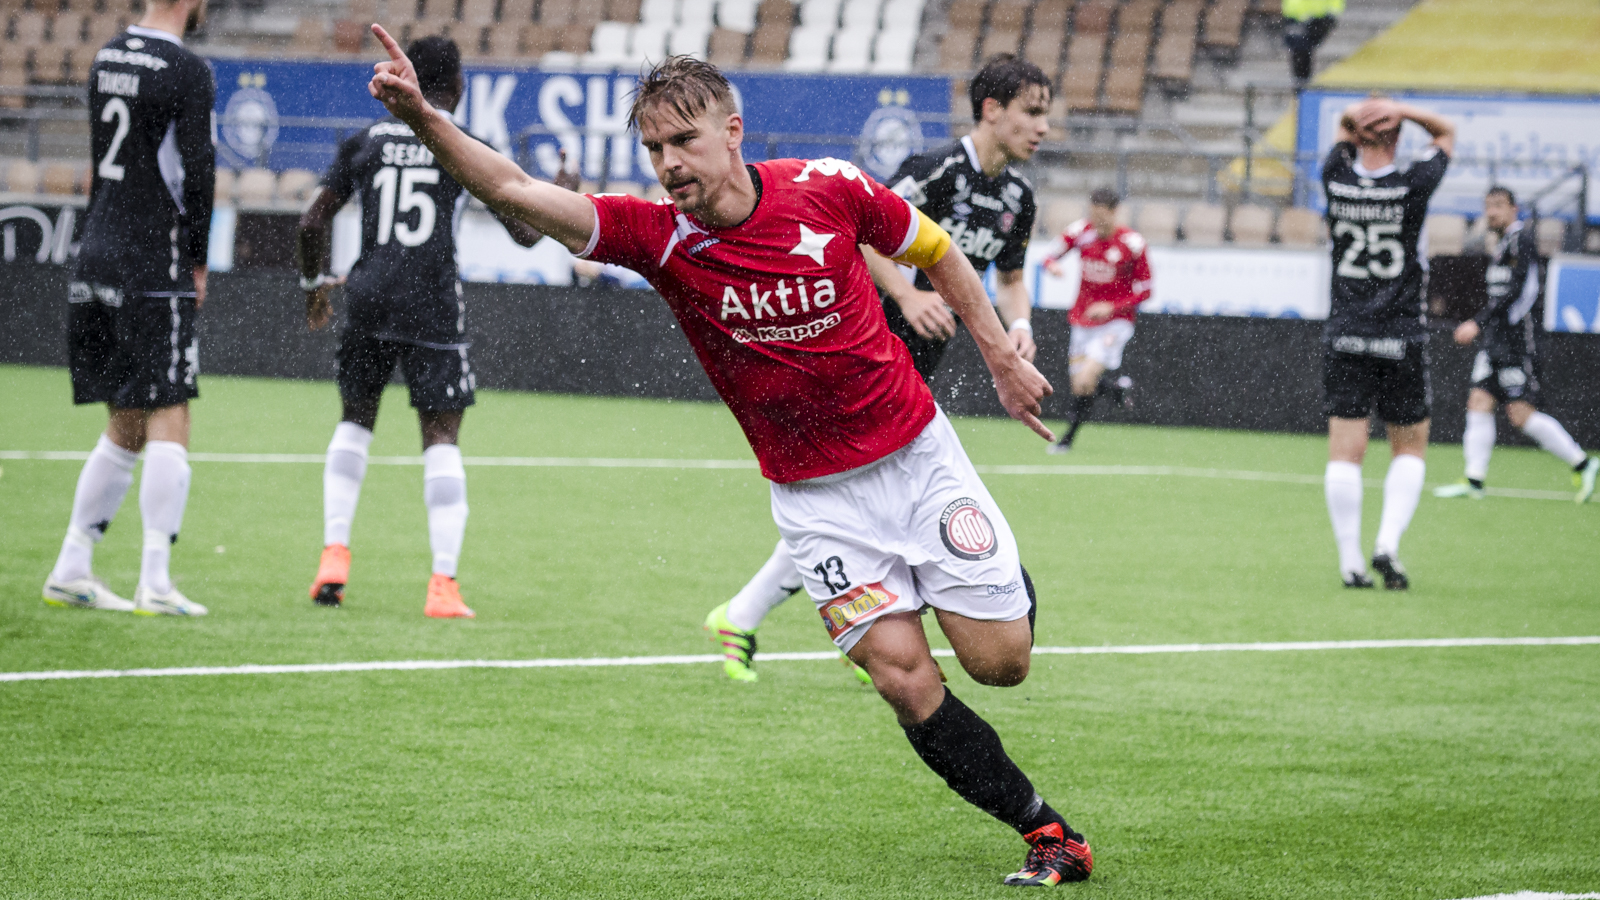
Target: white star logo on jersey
[(811, 244)]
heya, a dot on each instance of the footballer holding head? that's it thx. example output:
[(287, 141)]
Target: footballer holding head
[(871, 489)]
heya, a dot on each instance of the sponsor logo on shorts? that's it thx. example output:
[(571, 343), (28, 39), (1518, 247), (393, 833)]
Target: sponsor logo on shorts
[(966, 531), (1382, 348), (855, 606), (1001, 590)]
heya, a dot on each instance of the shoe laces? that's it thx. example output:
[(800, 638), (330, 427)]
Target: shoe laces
[(740, 645), (1052, 849)]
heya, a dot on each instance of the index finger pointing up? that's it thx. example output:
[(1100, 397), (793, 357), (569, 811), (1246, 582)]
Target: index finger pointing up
[(395, 53)]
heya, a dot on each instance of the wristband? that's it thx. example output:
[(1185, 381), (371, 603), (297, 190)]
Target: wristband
[(311, 284), (1023, 324)]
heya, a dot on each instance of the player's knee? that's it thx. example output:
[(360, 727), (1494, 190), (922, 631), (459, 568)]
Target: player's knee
[(1004, 672)]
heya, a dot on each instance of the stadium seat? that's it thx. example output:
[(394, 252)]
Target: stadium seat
[(478, 12), (310, 37), (22, 177), (1059, 212), (689, 40), (1000, 41), (1203, 225), (966, 15), (1300, 227), (48, 62), (608, 45), (1251, 225), (647, 43), (893, 49), (1043, 48), (1446, 233), (1158, 222), (860, 15), (222, 193), (659, 13), (726, 47), (1550, 234), (533, 39), (1008, 15), (1224, 26), (808, 48), (852, 50), (818, 14), (516, 13), (957, 49), (1080, 83), (28, 29), (1174, 55), (770, 42), (901, 14), (779, 12), (623, 11), (60, 178), (736, 15), (349, 35), (297, 185), (700, 14), (256, 187)]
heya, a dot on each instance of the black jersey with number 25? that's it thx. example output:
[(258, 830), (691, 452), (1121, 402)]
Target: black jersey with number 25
[(1376, 222), (153, 170), (404, 285), (989, 219)]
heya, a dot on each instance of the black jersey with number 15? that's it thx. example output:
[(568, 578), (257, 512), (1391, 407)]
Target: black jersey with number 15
[(404, 285), (1376, 222), (154, 170)]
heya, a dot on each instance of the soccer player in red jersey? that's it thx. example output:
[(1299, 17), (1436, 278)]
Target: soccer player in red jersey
[(871, 489), (1116, 279)]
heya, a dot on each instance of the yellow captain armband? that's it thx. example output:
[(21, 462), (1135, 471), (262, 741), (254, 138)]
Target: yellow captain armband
[(928, 247)]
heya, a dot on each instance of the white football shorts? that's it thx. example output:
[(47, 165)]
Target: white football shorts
[(916, 528), (1100, 343)]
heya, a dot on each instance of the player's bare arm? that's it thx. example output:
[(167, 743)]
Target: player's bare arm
[(1019, 384), (925, 311), (311, 248), (499, 182), (524, 234), (1016, 311)]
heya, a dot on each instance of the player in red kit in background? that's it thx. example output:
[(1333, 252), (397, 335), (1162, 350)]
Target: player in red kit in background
[(1116, 279), (761, 265)]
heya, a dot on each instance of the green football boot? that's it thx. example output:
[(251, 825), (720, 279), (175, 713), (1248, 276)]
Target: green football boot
[(1585, 478), (860, 673), (738, 645), (1462, 488)]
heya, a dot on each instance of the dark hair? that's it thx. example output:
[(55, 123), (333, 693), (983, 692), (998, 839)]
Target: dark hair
[(1104, 197), (1503, 191), (1003, 77), (683, 84), (438, 64)]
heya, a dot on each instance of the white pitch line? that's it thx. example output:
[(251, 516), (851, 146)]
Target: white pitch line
[(412, 665), (582, 462)]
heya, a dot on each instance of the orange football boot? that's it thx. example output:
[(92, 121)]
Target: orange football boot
[(332, 574), (444, 599)]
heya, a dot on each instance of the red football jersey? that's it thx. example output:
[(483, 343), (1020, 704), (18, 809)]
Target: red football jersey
[(1115, 269), (783, 314)]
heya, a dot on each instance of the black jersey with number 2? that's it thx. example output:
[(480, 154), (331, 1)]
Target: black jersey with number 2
[(404, 286), (989, 219), (1376, 222), (153, 170)]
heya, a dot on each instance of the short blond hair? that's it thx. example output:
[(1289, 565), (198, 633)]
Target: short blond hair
[(683, 84)]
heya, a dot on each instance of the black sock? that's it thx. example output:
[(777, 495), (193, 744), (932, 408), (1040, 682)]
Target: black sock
[(1581, 466), (962, 749), (1081, 408), (1476, 482), (1033, 599)]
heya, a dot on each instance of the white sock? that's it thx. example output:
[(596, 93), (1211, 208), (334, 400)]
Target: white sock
[(341, 481), (444, 491), (772, 585), (1477, 443), (163, 492), (107, 474), (1552, 437), (1342, 485), (1402, 488)]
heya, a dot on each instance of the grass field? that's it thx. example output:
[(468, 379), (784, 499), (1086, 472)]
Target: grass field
[(1415, 773)]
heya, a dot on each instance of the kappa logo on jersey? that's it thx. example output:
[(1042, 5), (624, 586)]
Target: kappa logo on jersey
[(830, 166), (979, 242), (1100, 271), (687, 229), (854, 607), (966, 531), (790, 333)]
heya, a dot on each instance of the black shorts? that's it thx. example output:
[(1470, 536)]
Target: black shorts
[(439, 378), (925, 352), (133, 351), (1354, 383), (1508, 377)]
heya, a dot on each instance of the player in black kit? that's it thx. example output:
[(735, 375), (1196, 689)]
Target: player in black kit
[(1375, 352), (405, 308), (1506, 368), (139, 281), (971, 189)]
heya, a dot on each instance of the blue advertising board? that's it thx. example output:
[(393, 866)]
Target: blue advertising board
[(291, 114), (1523, 142), (1572, 295)]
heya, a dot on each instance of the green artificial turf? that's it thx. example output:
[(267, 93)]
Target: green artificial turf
[(1416, 773)]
